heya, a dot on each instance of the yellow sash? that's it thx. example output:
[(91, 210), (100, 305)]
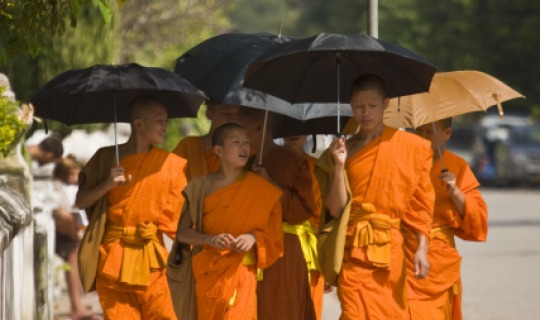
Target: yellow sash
[(372, 230), (142, 251), (444, 233), (308, 242)]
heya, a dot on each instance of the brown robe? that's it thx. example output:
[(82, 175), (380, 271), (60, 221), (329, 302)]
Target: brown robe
[(284, 292)]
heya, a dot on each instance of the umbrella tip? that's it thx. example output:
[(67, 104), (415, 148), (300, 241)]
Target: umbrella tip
[(280, 29)]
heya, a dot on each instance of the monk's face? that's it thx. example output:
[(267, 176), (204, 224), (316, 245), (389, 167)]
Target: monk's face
[(235, 148), (368, 108), (152, 124), (254, 129), (295, 142), (221, 114), (437, 135)]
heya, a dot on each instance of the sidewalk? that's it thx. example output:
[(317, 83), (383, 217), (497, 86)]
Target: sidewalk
[(62, 307)]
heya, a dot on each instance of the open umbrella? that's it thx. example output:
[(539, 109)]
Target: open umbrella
[(217, 66), (314, 69), (451, 94), (102, 93)]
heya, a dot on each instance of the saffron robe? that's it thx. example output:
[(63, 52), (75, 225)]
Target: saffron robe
[(226, 281), (284, 292), (130, 274), (389, 188), (438, 296), (200, 162)]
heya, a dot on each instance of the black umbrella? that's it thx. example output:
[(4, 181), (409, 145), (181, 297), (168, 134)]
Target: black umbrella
[(321, 68), (102, 93), (217, 66), (91, 95)]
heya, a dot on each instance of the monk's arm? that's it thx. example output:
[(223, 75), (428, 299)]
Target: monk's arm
[(421, 263), (474, 222), (336, 197), (187, 235), (87, 196)]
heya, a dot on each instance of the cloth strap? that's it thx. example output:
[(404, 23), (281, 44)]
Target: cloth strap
[(444, 233), (372, 230), (142, 252), (308, 242)]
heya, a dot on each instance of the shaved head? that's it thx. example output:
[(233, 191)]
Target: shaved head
[(139, 107), (445, 123), (369, 82), (222, 132)]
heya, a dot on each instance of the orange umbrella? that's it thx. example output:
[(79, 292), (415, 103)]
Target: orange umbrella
[(450, 94)]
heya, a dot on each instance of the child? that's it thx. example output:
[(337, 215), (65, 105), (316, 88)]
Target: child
[(241, 230), (459, 211)]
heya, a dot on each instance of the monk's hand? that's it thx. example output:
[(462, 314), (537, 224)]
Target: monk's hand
[(449, 180), (339, 151), (244, 243), (117, 176), (421, 263), (222, 241)]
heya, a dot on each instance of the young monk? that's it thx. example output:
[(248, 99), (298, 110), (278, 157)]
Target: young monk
[(241, 230), (284, 292), (316, 280), (197, 150), (375, 183), (141, 199), (459, 211)]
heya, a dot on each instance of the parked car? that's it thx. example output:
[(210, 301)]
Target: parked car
[(490, 132), (517, 155)]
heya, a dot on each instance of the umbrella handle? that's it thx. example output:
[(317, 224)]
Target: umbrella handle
[(338, 73), (439, 149), (499, 106), (117, 155), (263, 137)]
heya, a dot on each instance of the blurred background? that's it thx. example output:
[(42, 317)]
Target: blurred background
[(499, 37)]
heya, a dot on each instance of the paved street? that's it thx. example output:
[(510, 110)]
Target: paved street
[(501, 278)]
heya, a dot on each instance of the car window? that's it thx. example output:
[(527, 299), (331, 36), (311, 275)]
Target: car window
[(528, 135)]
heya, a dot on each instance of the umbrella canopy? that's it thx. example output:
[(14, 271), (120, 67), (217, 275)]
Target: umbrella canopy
[(451, 94), (320, 69), (102, 94), (217, 66)]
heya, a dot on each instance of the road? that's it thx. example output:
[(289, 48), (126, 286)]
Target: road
[(501, 277)]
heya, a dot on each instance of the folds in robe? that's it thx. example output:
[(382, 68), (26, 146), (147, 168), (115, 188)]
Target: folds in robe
[(284, 293), (200, 161), (439, 295), (390, 189), (225, 280), (138, 214)]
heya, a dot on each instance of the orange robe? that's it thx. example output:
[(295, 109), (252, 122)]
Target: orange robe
[(130, 280), (226, 281), (316, 278), (200, 162), (390, 189), (284, 293), (438, 296)]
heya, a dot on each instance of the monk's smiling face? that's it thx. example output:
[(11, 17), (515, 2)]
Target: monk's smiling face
[(368, 108), (152, 123), (235, 147)]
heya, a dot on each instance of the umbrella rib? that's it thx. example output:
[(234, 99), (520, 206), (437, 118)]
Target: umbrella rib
[(312, 61)]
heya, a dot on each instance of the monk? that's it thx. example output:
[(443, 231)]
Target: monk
[(316, 280), (241, 230), (373, 185), (459, 211), (284, 292), (197, 150), (142, 200)]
